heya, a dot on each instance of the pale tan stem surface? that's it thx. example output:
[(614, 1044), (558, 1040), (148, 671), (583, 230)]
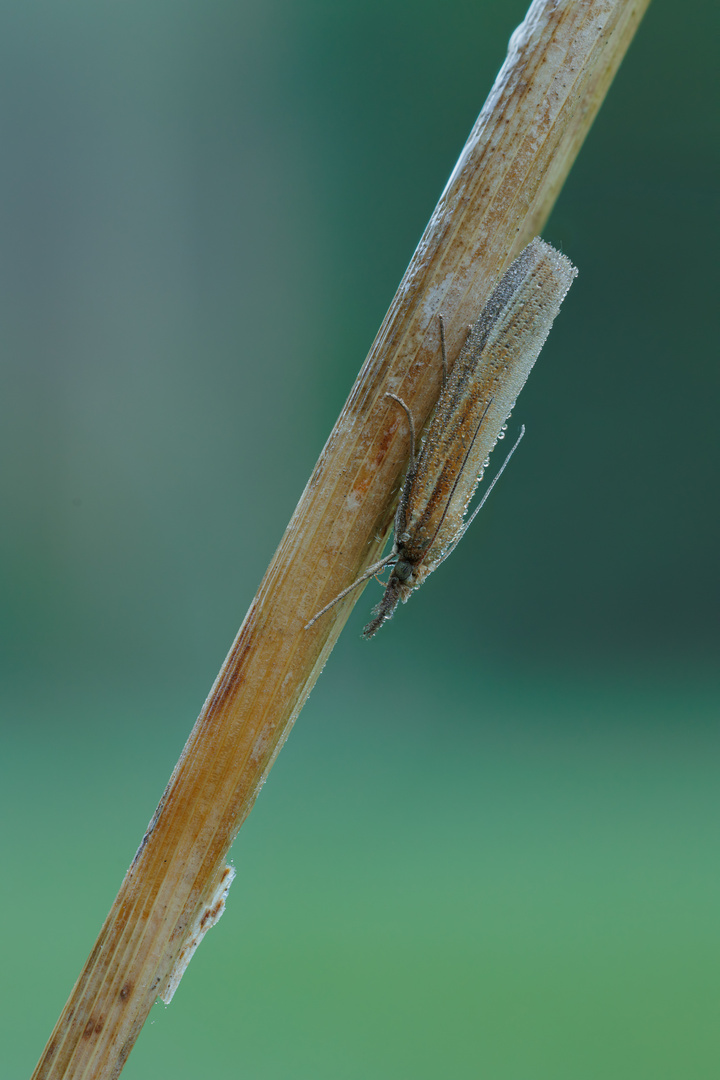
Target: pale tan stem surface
[(560, 63)]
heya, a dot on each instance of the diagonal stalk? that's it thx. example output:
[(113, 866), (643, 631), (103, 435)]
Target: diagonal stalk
[(560, 63)]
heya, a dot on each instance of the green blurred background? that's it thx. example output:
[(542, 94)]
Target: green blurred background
[(489, 848)]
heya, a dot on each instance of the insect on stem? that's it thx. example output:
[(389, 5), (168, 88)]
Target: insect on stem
[(470, 416)]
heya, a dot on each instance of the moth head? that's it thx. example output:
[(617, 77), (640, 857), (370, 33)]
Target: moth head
[(403, 571)]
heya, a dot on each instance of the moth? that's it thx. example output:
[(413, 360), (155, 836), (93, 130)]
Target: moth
[(475, 402)]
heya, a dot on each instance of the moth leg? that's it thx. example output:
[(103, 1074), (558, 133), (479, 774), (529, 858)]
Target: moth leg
[(478, 508), (495, 479), (372, 571), (411, 422)]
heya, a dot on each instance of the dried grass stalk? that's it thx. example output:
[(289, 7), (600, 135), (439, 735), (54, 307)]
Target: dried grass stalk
[(560, 63)]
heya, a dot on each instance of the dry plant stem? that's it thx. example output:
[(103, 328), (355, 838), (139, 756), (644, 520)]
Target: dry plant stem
[(560, 63)]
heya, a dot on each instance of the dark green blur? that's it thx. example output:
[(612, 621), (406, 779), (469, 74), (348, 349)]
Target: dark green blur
[(490, 847)]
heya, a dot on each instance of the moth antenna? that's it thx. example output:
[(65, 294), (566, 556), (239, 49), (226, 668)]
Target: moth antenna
[(411, 423), (443, 351), (370, 572)]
